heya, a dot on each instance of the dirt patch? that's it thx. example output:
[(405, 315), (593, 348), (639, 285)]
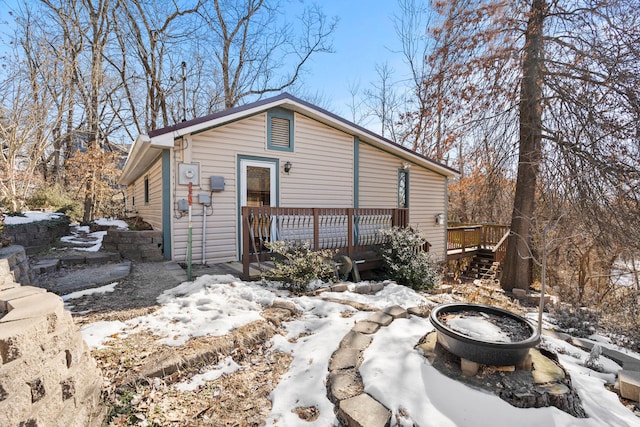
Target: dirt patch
[(141, 377), (135, 295)]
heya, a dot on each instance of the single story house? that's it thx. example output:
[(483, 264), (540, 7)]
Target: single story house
[(276, 153)]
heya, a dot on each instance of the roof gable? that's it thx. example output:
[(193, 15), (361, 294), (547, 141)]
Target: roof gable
[(158, 139)]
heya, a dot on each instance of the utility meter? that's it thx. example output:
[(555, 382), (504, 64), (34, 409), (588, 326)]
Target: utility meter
[(188, 173)]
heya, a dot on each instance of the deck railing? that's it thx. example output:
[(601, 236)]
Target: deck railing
[(464, 241), (349, 230)]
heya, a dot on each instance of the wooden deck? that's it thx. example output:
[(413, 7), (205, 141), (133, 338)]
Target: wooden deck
[(466, 241), (350, 231)]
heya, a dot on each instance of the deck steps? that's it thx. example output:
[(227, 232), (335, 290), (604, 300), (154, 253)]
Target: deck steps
[(483, 266)]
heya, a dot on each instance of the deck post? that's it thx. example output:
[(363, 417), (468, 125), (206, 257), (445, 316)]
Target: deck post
[(316, 229), (464, 241), (350, 219), (246, 259)]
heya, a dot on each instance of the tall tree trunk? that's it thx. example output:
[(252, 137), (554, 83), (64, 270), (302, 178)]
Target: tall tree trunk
[(517, 263)]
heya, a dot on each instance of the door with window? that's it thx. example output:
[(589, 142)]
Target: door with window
[(258, 189), (257, 183)]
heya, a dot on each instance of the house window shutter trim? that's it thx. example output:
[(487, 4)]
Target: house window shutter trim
[(280, 129)]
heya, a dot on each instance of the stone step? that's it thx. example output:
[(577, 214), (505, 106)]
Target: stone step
[(363, 411), (629, 383), (46, 265)]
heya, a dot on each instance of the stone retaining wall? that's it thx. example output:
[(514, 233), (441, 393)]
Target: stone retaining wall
[(39, 235), (135, 245), (47, 375), (18, 264)]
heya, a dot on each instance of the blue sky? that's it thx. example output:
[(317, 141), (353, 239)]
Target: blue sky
[(365, 36)]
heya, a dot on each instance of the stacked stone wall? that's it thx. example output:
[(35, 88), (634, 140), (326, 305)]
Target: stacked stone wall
[(47, 375), (18, 264), (39, 235), (135, 245)]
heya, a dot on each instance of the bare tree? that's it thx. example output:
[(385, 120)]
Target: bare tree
[(383, 101), (356, 104), (428, 124), (29, 111), (563, 71), (153, 41), (256, 51)]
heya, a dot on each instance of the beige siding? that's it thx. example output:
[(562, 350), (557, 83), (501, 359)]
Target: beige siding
[(427, 198), (378, 178), (322, 171), (378, 188), (307, 185), (216, 151), (322, 175), (151, 212)]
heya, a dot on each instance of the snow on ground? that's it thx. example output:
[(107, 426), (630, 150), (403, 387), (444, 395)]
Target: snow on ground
[(98, 334), (227, 366), (311, 340), (101, 290), (626, 272), (31, 217), (96, 237), (75, 238), (118, 223), (211, 305), (393, 371)]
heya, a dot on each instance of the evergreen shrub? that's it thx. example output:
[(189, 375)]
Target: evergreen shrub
[(296, 265), (405, 261)]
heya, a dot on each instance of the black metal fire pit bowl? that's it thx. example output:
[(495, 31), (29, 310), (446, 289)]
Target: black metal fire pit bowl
[(476, 350)]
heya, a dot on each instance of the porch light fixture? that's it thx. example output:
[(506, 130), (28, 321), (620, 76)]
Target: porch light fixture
[(439, 219), (406, 165), (287, 167)]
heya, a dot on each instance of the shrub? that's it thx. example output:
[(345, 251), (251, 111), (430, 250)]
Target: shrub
[(55, 198), (404, 261), (296, 265), (575, 320)]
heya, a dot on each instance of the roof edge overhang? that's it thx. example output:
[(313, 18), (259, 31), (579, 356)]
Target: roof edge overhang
[(142, 153), (147, 147)]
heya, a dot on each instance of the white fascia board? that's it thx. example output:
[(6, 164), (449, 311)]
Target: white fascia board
[(377, 142), (140, 156), (219, 121), (163, 141)]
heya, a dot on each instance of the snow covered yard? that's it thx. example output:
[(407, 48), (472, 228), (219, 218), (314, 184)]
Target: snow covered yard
[(281, 380), (232, 357)]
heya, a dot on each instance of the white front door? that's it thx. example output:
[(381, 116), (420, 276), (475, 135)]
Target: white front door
[(257, 187)]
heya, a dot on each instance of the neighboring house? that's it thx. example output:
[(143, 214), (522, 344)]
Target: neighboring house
[(282, 152)]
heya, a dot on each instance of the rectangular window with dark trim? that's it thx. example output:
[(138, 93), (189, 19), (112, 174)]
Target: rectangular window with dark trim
[(403, 188), (280, 129), (146, 190)]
